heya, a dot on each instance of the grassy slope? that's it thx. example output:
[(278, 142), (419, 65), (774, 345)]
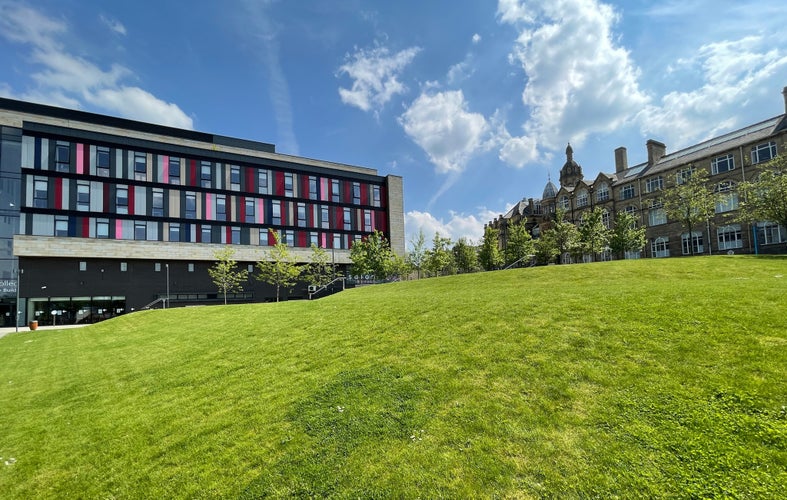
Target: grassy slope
[(642, 378)]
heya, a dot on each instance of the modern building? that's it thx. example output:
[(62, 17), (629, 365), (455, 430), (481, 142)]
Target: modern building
[(728, 160), (102, 215)]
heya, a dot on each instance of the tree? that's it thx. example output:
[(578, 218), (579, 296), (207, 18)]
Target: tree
[(765, 199), (440, 260), (489, 255), (417, 254), (465, 256), (545, 248), (319, 271), (692, 203), (373, 255), (626, 236), (519, 245), (593, 235), (225, 273), (280, 268), (566, 235)]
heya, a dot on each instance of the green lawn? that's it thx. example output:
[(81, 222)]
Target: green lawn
[(642, 378)]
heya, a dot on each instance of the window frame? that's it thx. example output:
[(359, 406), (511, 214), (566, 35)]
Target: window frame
[(756, 152), (722, 164)]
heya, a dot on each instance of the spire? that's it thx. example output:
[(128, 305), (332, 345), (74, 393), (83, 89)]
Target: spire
[(569, 153)]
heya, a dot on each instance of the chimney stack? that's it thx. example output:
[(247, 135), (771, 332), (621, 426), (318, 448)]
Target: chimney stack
[(656, 150), (621, 160), (784, 93)]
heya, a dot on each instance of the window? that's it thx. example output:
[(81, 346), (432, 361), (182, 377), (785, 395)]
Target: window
[(205, 174), (605, 218), (727, 199), (262, 180), (191, 267), (123, 267), (582, 198), (174, 171), (632, 254), (191, 206), (692, 244), (82, 265), (250, 218), (288, 185), (288, 238), (357, 193), (631, 209), (627, 192), (102, 162), (205, 233), (659, 247), (769, 233), (276, 213), (684, 175), (301, 215), (312, 188), (235, 177), (565, 204), (235, 235), (140, 230), (602, 193), (335, 196), (730, 237), (263, 238), (337, 241), (102, 228), (121, 200), (537, 210), (654, 184), (157, 209), (347, 219), (763, 152), (157, 267), (367, 220), (61, 225), (313, 239), (657, 215), (325, 217), (83, 196), (221, 207), (174, 231), (40, 193), (140, 167), (722, 164), (376, 196), (62, 156)]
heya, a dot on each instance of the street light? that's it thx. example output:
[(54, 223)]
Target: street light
[(166, 305), (19, 273)]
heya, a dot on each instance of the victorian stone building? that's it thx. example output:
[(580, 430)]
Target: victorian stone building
[(728, 160)]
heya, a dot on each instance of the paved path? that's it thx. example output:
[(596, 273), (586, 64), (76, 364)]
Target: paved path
[(6, 331)]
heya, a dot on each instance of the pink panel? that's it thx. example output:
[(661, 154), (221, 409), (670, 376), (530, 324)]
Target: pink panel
[(80, 158), (324, 194), (118, 229), (372, 228), (165, 168), (260, 214), (323, 240), (209, 206)]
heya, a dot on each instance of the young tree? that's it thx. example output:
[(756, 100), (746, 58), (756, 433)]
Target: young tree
[(225, 273), (519, 245), (489, 255), (373, 255), (465, 256), (417, 253), (280, 268), (320, 271), (765, 199), (692, 203), (440, 260), (626, 236), (545, 248), (566, 235), (593, 236)]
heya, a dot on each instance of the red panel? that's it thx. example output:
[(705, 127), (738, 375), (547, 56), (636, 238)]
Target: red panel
[(59, 194), (348, 192), (105, 188), (302, 239), (381, 218), (279, 183), (304, 186), (85, 227), (364, 194), (199, 233), (310, 215), (241, 209), (271, 238), (339, 218), (193, 173), (250, 179), (131, 200), (229, 234)]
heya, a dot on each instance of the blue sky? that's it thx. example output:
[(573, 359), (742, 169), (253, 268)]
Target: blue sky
[(471, 102)]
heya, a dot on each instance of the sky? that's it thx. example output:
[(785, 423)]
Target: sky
[(471, 102)]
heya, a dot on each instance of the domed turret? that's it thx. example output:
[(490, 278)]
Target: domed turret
[(571, 173), (550, 190)]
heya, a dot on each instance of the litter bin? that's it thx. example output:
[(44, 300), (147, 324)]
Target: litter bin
[(34, 325)]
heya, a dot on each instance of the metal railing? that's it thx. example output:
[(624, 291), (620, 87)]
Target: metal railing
[(163, 301), (313, 290)]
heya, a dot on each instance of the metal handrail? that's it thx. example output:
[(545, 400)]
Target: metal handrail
[(318, 290), (160, 299)]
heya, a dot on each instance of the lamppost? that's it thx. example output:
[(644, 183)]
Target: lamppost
[(166, 305), (19, 273)]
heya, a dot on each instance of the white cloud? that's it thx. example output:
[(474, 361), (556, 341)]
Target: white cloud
[(732, 72), (113, 24), (458, 226), (578, 81), (443, 127), (375, 75), (66, 80), (476, 38)]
